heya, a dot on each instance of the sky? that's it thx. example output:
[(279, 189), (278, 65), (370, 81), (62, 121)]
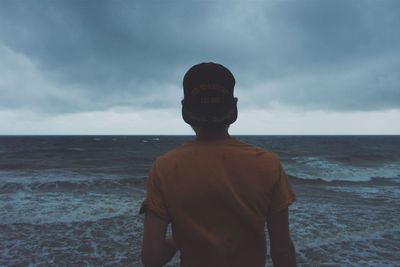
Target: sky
[(116, 67)]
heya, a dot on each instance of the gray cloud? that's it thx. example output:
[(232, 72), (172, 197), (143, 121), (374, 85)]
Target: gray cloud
[(93, 55)]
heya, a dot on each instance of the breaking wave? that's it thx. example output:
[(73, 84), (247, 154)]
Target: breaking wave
[(80, 185)]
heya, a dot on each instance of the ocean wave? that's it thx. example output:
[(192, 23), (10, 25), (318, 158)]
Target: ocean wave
[(140, 182), (327, 169), (394, 181), (63, 207), (51, 186)]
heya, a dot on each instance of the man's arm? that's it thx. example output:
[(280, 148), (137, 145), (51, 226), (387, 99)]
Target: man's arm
[(157, 250), (282, 249)]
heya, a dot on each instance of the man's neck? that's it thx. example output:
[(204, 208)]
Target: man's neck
[(205, 135)]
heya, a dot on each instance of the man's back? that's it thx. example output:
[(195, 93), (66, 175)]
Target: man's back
[(217, 195)]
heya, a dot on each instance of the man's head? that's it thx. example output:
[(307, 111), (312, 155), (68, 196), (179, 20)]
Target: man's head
[(208, 96)]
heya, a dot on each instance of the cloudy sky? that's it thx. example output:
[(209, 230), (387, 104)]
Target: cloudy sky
[(116, 67)]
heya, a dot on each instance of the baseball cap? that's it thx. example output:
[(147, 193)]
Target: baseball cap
[(208, 95)]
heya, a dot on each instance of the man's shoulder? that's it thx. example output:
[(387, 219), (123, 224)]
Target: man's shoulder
[(173, 154), (260, 151)]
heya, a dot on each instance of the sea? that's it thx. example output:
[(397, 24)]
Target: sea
[(74, 200)]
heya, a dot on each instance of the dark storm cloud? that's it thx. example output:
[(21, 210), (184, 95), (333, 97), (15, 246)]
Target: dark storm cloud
[(91, 55)]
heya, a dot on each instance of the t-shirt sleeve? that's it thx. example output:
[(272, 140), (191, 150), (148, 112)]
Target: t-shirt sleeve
[(154, 200), (282, 193)]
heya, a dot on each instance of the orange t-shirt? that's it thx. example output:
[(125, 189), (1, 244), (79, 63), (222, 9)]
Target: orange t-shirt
[(217, 195)]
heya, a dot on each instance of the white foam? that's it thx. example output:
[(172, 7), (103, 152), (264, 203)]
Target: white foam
[(320, 168), (39, 208), (369, 192), (52, 175)]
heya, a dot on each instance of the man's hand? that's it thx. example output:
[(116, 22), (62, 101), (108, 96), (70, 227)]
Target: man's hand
[(157, 250), (282, 249)]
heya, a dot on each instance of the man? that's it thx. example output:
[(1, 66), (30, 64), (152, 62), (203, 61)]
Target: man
[(217, 192)]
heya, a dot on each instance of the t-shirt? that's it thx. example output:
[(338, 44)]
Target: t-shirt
[(217, 195)]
